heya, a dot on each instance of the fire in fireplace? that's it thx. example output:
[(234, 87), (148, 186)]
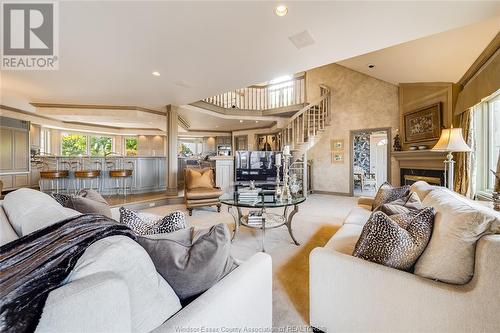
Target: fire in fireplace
[(433, 177)]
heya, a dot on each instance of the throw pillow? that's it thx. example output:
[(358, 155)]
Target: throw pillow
[(402, 205), (395, 241), (200, 178), (421, 188), (460, 223), (191, 262), (148, 224), (85, 201), (387, 193)]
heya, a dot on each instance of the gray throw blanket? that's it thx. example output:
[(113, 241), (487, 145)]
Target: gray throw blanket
[(34, 265)]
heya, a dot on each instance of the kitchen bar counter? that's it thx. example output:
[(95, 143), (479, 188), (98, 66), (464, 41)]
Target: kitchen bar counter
[(149, 172), (221, 158)]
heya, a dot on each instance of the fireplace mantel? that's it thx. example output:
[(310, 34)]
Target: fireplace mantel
[(420, 159)]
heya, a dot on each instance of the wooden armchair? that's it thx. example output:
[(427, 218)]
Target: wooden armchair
[(200, 189)]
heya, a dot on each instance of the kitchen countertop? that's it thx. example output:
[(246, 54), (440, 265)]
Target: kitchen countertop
[(60, 156), (215, 158)]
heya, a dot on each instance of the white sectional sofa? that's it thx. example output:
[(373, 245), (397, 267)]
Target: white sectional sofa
[(114, 286), (349, 294)]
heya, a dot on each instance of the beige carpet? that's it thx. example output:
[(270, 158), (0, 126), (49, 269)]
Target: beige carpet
[(317, 220)]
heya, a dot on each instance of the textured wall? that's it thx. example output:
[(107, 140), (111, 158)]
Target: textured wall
[(358, 102)]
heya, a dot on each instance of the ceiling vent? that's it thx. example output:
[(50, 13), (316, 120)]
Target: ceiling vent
[(302, 39)]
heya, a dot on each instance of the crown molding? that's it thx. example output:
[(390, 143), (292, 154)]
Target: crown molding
[(96, 106)]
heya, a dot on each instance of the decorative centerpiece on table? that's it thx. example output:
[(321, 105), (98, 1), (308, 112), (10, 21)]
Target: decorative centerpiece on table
[(277, 164), (496, 188), (284, 192)]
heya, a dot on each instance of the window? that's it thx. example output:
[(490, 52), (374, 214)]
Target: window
[(131, 146), (73, 144), (76, 144), (100, 145), (487, 119)]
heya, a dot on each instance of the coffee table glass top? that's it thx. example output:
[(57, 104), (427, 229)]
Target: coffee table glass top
[(231, 199)]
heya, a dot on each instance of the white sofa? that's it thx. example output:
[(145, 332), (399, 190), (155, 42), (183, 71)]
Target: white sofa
[(349, 294), (114, 286)]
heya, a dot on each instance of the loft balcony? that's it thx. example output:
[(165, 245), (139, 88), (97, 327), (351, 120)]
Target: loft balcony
[(281, 97)]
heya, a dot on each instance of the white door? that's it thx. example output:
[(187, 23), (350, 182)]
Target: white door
[(378, 157)]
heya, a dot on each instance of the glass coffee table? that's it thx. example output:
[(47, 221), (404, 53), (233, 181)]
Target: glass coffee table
[(270, 220)]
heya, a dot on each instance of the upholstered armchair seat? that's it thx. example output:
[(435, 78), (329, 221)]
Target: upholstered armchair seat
[(200, 189), (204, 193)]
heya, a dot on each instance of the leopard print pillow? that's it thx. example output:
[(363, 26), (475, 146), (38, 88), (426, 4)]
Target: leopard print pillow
[(147, 224), (396, 241), (387, 193), (63, 199)]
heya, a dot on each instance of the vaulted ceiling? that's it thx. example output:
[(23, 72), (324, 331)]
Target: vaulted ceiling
[(443, 57), (108, 50)]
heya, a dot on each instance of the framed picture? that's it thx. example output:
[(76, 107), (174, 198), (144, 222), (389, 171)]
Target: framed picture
[(337, 157), (337, 145), (423, 124)]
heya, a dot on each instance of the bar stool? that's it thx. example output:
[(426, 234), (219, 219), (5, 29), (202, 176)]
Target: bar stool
[(72, 164), (88, 171), (50, 173), (120, 174)]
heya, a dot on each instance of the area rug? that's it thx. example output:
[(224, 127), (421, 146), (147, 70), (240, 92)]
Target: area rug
[(315, 223)]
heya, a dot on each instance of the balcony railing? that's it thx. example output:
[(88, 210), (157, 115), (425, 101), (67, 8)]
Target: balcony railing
[(265, 97)]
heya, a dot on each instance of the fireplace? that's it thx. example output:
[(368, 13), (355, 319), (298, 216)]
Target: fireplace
[(433, 177)]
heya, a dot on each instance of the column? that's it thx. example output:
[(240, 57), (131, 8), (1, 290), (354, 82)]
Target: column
[(172, 125)]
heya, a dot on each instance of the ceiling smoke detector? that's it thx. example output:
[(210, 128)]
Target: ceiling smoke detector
[(371, 66), (302, 39)]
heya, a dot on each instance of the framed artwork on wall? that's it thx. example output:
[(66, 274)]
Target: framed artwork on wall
[(337, 157), (423, 124), (337, 150), (337, 144)]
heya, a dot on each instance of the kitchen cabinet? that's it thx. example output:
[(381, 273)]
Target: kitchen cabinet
[(223, 140), (224, 172), (35, 134), (241, 142), (14, 146)]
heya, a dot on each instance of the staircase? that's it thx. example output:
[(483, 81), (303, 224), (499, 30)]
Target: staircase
[(305, 127)]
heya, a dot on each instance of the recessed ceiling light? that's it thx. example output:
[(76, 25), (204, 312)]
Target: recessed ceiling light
[(281, 10), (256, 121), (156, 73), (241, 121), (371, 66)]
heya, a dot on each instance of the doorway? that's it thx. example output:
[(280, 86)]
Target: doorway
[(370, 160)]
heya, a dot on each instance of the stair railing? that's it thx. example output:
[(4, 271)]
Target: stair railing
[(305, 125), (263, 97)]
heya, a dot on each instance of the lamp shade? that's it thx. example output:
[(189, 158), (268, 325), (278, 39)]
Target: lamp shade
[(451, 140)]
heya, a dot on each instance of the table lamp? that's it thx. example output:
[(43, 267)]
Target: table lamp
[(451, 141)]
